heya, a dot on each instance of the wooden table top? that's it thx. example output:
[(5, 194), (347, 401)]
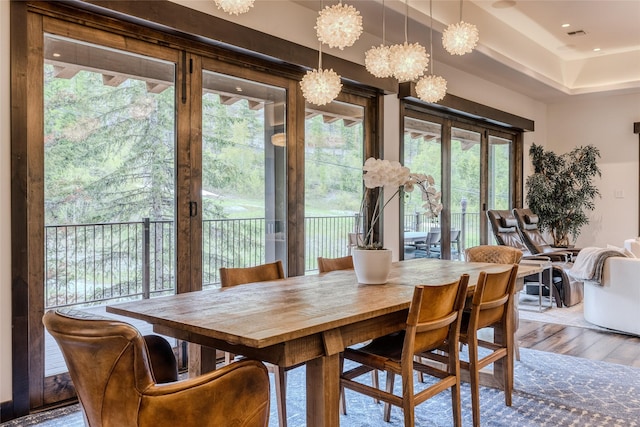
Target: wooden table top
[(263, 314)]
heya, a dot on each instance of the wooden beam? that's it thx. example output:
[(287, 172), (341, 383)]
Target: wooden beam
[(156, 87), (255, 105), (113, 80), (65, 72), (466, 108)]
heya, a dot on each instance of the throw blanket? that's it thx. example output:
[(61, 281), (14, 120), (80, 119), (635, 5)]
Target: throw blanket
[(589, 262)]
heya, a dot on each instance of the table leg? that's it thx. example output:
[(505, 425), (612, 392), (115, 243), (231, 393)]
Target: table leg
[(323, 391)]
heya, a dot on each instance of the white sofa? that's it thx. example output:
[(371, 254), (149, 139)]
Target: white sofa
[(615, 304)]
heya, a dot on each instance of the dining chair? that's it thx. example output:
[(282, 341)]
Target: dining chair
[(331, 264), (261, 273), (491, 306), (499, 255), (113, 372), (433, 323), (326, 265)]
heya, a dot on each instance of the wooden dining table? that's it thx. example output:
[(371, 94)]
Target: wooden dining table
[(302, 320)]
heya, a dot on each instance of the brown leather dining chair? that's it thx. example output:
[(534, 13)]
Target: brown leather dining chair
[(111, 369), (433, 323), (492, 306), (261, 273), (331, 264)]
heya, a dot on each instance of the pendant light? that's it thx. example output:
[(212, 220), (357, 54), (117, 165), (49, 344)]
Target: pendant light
[(376, 59), (460, 38), (408, 61), (339, 25), (320, 86), (431, 88), (234, 7)]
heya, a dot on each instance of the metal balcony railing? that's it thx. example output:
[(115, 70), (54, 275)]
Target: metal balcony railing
[(93, 263)]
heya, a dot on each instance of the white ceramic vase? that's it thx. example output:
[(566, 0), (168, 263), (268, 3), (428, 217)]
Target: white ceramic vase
[(372, 266)]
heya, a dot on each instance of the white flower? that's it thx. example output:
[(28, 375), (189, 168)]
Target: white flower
[(380, 173)]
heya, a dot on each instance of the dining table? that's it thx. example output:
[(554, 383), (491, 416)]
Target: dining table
[(306, 320)]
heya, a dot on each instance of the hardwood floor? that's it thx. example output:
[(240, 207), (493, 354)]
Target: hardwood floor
[(580, 342)]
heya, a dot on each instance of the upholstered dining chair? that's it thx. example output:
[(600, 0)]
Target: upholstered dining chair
[(498, 255), (492, 306), (260, 273), (433, 323), (331, 264), (111, 369)]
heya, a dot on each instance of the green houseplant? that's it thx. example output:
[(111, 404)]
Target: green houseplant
[(561, 189)]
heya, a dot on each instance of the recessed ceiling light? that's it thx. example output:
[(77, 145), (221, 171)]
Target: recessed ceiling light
[(597, 49), (56, 55), (566, 25), (238, 89)]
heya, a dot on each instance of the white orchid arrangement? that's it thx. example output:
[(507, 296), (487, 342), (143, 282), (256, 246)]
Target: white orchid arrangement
[(379, 173)]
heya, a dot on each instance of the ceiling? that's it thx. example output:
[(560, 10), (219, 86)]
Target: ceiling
[(523, 45)]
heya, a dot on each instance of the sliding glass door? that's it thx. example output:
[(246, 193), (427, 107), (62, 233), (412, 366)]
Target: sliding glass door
[(109, 156), (472, 165), (244, 201), (334, 150)]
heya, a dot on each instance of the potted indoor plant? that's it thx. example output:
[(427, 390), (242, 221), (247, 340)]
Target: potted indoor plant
[(371, 260), (561, 189)]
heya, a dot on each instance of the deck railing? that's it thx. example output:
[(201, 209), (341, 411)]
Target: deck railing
[(94, 263)]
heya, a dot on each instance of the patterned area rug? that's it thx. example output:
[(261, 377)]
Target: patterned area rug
[(550, 390)]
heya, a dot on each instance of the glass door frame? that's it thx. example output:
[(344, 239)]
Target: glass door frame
[(447, 121)]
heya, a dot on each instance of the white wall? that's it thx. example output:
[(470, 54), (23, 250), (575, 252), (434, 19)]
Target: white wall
[(607, 123), (5, 212)]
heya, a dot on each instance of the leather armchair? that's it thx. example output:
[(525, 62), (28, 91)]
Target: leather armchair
[(504, 226), (532, 237), (110, 367)]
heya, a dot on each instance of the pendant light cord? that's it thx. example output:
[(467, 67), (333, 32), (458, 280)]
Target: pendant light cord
[(460, 10), (383, 25), (406, 20), (431, 36)]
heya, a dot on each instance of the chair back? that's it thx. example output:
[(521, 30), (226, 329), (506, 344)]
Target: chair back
[(111, 371), (331, 264), (493, 300), (434, 317), (108, 363), (531, 236), (493, 254), (259, 273), (505, 230)]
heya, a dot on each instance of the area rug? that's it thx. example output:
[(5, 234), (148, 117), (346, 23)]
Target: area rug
[(550, 390)]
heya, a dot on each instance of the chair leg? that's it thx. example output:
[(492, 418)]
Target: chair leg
[(375, 382), (343, 402), (508, 369), (474, 379), (280, 377), (387, 406), (516, 349)]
